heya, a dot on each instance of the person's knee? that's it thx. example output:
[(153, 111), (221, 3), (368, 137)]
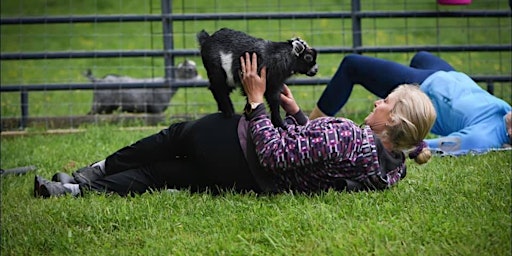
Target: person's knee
[(349, 61), (423, 53), (418, 57), (350, 58)]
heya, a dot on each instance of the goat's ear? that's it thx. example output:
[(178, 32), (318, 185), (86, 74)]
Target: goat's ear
[(298, 47)]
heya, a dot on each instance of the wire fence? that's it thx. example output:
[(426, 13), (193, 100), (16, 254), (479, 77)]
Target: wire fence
[(48, 46)]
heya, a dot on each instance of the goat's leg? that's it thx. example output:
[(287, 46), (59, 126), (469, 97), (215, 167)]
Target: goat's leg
[(219, 88), (95, 106), (107, 109), (94, 109), (221, 94)]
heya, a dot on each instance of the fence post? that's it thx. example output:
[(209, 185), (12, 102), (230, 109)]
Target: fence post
[(357, 40), (24, 108), (168, 40), (490, 87)]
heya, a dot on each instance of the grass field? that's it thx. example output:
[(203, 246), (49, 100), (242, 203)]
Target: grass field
[(450, 206)]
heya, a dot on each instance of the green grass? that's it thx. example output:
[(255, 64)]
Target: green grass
[(450, 206)]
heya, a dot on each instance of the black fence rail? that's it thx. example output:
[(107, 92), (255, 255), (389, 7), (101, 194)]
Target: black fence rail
[(169, 53)]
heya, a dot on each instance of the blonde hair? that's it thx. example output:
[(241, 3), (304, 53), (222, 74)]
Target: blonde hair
[(412, 117)]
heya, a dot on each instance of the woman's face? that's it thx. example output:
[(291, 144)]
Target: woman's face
[(380, 115)]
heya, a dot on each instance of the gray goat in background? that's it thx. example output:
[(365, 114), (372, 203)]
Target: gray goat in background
[(137, 100)]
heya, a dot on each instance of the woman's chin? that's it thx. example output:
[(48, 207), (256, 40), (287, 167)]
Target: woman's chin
[(367, 118)]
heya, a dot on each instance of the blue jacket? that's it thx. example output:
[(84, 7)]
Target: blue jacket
[(470, 118)]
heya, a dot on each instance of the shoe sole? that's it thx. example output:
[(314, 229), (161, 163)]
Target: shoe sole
[(40, 189), (44, 191), (37, 186)]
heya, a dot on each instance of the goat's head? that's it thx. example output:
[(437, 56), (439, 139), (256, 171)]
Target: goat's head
[(186, 70), (306, 57)]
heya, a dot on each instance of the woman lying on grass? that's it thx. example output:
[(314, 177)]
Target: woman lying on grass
[(247, 153), (469, 119)]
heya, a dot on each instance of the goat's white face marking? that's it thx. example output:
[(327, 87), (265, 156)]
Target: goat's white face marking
[(226, 60)]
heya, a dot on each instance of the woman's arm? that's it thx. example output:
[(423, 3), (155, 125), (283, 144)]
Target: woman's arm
[(273, 150), (293, 112), (325, 142)]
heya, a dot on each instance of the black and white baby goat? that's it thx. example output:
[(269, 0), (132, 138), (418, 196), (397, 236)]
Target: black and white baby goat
[(221, 53), (137, 100)]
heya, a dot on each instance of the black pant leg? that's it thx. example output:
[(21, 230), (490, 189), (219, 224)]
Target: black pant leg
[(215, 147), (177, 174), (203, 154), (164, 145)]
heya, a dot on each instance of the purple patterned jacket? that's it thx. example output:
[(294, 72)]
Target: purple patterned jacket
[(325, 153)]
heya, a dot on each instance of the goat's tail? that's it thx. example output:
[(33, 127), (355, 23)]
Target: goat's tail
[(202, 36)]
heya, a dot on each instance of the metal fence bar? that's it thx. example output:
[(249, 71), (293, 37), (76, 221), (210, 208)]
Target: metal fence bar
[(357, 38), (249, 16), (93, 54), (168, 41), (24, 107), (188, 84), (194, 52)]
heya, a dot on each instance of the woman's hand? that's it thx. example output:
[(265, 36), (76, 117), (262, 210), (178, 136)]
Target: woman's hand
[(288, 103), (254, 85)]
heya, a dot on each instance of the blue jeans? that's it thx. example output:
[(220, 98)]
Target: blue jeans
[(378, 76)]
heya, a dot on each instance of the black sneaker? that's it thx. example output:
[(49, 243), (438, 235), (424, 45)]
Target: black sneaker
[(63, 178), (37, 184), (45, 188), (88, 174)]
